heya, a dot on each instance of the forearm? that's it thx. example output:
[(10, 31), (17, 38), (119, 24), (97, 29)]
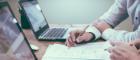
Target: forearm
[(116, 14), (120, 35), (101, 25), (97, 28), (111, 34)]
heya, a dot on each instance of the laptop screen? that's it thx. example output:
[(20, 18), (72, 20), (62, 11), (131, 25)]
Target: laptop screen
[(35, 15), (12, 41)]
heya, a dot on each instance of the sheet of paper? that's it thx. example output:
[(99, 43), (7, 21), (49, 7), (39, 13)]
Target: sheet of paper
[(89, 51)]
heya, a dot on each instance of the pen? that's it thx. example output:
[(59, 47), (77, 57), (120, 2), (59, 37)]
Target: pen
[(82, 32)]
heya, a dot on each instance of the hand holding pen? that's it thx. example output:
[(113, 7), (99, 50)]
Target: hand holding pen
[(78, 36)]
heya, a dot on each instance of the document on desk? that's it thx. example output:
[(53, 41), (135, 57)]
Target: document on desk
[(89, 51)]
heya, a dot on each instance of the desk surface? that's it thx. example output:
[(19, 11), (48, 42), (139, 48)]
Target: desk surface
[(44, 44), (41, 44)]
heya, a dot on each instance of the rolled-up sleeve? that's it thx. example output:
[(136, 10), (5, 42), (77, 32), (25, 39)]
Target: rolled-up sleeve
[(116, 14), (119, 35)]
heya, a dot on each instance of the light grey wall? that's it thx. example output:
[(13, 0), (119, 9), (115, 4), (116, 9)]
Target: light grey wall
[(74, 11), (78, 11)]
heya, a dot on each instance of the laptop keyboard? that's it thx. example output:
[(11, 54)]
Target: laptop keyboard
[(55, 33)]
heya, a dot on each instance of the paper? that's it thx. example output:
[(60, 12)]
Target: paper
[(90, 51)]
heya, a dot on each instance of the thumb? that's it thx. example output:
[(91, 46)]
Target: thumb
[(136, 43), (79, 39), (139, 51)]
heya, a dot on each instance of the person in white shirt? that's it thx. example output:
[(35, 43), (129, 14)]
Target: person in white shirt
[(103, 26)]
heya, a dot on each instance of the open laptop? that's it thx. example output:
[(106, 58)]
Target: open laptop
[(39, 24), (12, 40)]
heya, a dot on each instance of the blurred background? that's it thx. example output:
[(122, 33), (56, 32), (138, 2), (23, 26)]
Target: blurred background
[(73, 11)]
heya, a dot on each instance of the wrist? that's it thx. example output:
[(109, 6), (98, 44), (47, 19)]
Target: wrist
[(92, 36), (94, 31)]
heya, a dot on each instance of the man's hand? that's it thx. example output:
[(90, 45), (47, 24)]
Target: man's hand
[(123, 51), (78, 36)]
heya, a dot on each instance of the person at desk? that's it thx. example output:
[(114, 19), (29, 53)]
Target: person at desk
[(125, 51), (103, 26)]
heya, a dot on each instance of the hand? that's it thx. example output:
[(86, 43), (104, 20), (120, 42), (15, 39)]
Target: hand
[(78, 36), (136, 43), (123, 51)]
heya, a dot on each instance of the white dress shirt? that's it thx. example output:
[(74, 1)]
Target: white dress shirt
[(118, 12)]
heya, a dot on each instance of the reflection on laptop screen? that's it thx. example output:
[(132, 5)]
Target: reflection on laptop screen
[(35, 15), (12, 41)]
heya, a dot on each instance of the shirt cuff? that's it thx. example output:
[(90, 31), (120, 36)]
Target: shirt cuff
[(108, 33), (94, 30), (111, 34)]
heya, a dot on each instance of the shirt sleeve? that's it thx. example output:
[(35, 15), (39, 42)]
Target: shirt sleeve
[(116, 14), (118, 35), (94, 30)]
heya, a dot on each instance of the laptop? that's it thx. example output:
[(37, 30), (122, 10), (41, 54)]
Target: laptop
[(13, 43), (39, 24)]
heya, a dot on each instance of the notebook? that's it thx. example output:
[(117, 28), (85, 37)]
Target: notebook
[(39, 24), (12, 40), (89, 51)]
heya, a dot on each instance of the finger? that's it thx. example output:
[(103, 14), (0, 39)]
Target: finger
[(68, 43), (73, 36), (121, 48), (136, 43), (109, 49), (112, 43), (85, 37), (126, 49), (131, 48), (71, 43), (126, 46), (139, 51), (81, 39), (69, 40), (116, 43), (114, 56), (116, 51)]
